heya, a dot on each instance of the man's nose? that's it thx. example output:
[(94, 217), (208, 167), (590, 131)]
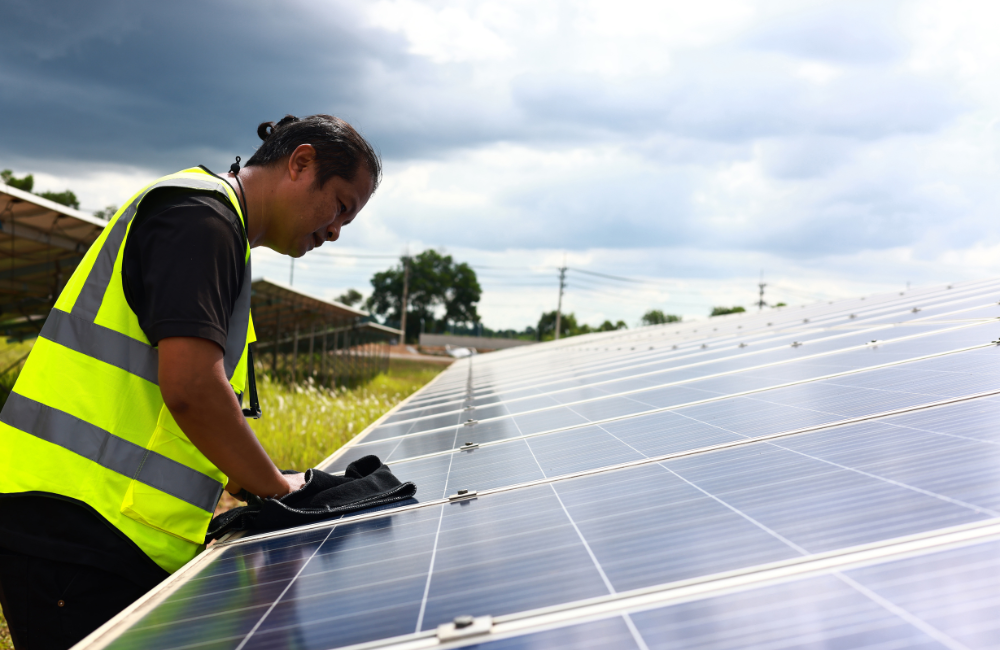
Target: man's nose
[(333, 233)]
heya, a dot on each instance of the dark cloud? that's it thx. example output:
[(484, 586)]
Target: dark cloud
[(150, 83), (165, 85), (162, 84)]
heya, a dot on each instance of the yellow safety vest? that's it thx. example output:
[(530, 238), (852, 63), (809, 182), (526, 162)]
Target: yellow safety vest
[(86, 418)]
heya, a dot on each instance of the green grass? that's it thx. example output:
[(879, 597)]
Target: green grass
[(5, 642), (12, 356), (304, 424)]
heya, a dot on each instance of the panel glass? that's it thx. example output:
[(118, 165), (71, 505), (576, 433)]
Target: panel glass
[(535, 546)]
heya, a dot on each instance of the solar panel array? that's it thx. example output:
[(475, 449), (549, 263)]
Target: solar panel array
[(823, 475)]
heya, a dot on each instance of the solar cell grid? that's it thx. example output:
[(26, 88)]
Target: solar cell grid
[(537, 536), (850, 359), (703, 514), (937, 599), (818, 342), (922, 381)]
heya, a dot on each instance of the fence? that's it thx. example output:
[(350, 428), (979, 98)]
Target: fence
[(300, 336)]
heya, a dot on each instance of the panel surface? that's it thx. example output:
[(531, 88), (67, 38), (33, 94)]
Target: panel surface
[(744, 441)]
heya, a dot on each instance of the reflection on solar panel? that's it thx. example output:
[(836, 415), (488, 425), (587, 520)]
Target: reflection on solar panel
[(816, 476)]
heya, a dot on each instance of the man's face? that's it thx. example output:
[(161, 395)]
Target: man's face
[(316, 215)]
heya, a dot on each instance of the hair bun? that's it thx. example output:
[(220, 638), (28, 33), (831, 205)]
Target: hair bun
[(265, 129)]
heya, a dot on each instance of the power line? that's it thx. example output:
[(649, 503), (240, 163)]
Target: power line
[(364, 255), (637, 299), (611, 277)]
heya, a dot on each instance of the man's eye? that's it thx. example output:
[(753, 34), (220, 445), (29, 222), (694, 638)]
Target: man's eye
[(343, 208)]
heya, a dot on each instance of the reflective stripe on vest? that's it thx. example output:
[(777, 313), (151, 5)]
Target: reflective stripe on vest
[(111, 452), (90, 388)]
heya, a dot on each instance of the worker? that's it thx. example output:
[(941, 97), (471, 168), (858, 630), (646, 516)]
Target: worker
[(125, 423)]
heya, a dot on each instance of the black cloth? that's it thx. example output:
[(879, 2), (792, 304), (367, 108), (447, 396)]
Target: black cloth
[(51, 605), (183, 265), (366, 483)]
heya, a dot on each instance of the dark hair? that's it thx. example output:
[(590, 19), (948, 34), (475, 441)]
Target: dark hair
[(340, 150)]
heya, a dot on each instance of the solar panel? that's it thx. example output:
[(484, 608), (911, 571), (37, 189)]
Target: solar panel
[(776, 479)]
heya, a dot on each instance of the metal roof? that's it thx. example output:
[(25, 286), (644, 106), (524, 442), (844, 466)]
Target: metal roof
[(278, 309), (270, 297), (42, 242)]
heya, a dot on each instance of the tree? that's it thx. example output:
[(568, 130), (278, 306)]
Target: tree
[(570, 327), (567, 326), (25, 184), (608, 326), (780, 304), (657, 317), (436, 282), (722, 311), (106, 213), (67, 198), (350, 297)]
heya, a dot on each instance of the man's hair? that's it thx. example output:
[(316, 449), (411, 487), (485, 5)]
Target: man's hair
[(340, 150)]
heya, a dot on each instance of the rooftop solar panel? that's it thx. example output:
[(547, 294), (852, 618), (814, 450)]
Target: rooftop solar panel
[(777, 480)]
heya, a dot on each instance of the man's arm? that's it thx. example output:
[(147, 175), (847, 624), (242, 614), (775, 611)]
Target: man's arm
[(195, 389)]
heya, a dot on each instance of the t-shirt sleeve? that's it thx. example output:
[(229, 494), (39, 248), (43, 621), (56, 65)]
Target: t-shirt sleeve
[(183, 267)]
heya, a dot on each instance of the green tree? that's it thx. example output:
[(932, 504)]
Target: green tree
[(567, 326), (608, 326), (780, 304), (436, 281), (350, 297), (657, 317), (106, 213), (67, 198), (722, 311), (25, 184)]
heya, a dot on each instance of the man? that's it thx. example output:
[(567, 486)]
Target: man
[(125, 422)]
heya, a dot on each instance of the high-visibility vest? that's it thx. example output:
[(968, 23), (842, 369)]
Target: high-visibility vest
[(86, 419)]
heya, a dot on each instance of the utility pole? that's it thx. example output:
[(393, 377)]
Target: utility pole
[(760, 302), (406, 290), (562, 285), (291, 274)]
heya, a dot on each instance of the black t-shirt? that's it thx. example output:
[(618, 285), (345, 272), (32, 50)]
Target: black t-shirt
[(183, 268)]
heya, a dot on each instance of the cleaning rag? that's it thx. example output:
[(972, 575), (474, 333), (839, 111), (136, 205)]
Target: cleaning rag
[(366, 483)]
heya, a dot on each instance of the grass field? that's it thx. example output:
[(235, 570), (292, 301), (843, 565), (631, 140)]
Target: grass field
[(302, 424)]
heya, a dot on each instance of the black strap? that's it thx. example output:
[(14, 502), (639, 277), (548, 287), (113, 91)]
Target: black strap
[(254, 410)]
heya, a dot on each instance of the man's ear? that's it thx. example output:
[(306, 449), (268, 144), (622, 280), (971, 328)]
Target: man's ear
[(301, 159)]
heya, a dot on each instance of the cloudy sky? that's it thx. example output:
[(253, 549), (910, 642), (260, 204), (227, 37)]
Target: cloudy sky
[(841, 147)]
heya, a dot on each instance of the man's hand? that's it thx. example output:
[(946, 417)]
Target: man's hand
[(295, 482), (195, 389)]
